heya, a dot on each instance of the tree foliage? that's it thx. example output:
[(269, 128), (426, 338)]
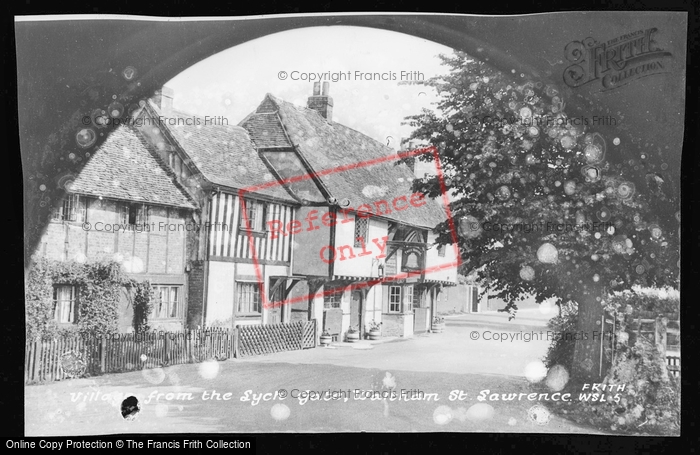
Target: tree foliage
[(543, 204), (537, 199)]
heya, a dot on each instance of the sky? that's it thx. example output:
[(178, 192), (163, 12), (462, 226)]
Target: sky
[(232, 83)]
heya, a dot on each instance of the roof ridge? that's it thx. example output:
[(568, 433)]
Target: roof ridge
[(332, 124)]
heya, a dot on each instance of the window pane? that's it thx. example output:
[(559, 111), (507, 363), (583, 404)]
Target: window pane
[(248, 296), (82, 212), (333, 299), (394, 299), (143, 212), (259, 212), (65, 304), (173, 302), (163, 304), (361, 231)]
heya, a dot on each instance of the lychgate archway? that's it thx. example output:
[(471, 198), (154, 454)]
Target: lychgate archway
[(68, 68)]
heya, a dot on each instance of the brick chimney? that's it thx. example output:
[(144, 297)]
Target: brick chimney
[(163, 98), (321, 102)]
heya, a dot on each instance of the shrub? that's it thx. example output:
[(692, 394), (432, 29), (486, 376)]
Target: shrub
[(561, 349), (651, 397), (650, 401)]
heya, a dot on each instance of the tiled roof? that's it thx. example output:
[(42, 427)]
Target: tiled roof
[(330, 145), (125, 167), (224, 154), (266, 130)]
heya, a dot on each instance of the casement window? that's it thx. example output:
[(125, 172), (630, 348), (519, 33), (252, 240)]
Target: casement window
[(401, 299), (248, 298), (167, 303), (394, 299), (333, 298), (255, 211), (72, 208), (65, 308), (408, 299), (441, 251), (133, 213), (361, 230)]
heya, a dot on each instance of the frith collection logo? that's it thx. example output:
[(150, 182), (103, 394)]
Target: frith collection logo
[(615, 62)]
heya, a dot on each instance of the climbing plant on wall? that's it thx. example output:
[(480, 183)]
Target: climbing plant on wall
[(98, 287)]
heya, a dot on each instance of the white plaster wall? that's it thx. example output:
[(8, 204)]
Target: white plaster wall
[(433, 260), (359, 265), (220, 292)]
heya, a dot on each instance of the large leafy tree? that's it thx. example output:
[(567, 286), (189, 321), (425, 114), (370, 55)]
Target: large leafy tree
[(537, 201)]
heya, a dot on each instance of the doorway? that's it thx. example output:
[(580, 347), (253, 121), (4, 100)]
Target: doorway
[(275, 315), (356, 312)]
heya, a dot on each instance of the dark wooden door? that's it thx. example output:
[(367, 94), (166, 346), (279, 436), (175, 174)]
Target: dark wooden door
[(355, 311), (274, 315)]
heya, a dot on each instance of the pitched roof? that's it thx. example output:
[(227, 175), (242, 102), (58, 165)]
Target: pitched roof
[(224, 154), (330, 145), (266, 130), (126, 167)]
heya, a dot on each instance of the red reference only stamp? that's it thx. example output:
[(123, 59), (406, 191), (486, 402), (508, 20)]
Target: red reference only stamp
[(332, 217)]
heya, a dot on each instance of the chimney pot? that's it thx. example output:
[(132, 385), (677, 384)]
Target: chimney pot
[(321, 102)]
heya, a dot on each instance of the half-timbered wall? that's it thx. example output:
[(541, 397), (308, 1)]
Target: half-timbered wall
[(229, 240)]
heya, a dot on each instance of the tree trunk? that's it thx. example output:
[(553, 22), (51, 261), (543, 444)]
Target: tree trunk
[(589, 336)]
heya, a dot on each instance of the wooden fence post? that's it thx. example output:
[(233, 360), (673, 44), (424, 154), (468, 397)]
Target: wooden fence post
[(37, 358), (166, 355), (236, 343), (103, 354)]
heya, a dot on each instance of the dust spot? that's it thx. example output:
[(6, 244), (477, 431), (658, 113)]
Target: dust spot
[(539, 414), (130, 408), (153, 375), (557, 377), (535, 371), (547, 253), (373, 191), (73, 364), (209, 369), (480, 411), (280, 412), (442, 415), (389, 381)]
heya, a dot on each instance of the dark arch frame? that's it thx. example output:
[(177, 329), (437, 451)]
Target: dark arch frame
[(65, 68)]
